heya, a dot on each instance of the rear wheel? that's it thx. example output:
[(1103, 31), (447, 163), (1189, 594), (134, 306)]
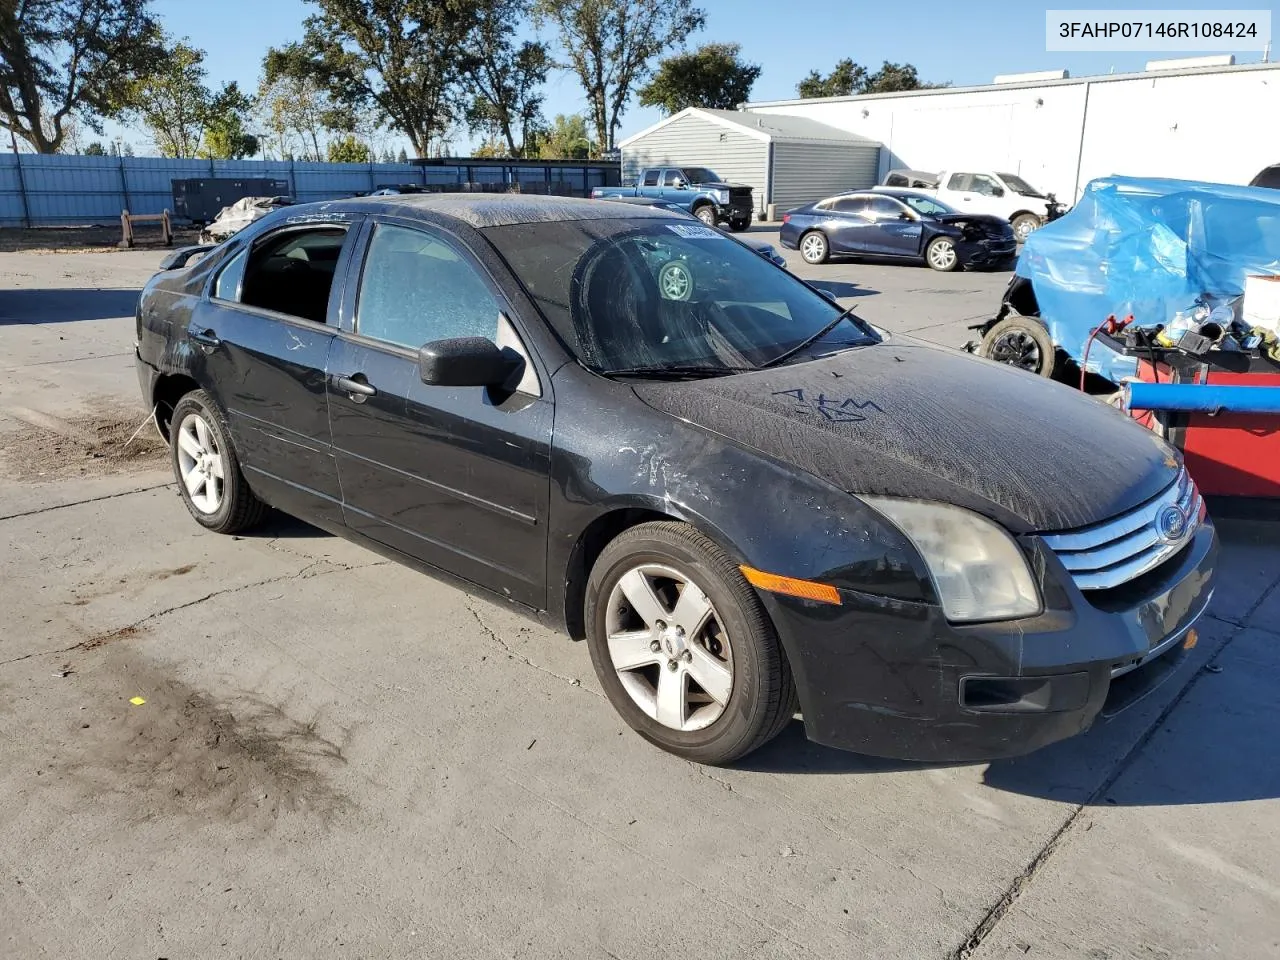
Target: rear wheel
[(941, 254), (814, 248), (707, 214), (208, 472), (682, 646), (1021, 342)]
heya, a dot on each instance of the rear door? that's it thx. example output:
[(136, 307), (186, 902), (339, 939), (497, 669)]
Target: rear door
[(457, 477), (846, 227), (261, 341), (649, 183)]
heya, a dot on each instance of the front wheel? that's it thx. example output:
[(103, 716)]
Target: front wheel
[(214, 490), (707, 214), (682, 646), (1024, 225), (814, 248), (1021, 342), (941, 254), (738, 224)]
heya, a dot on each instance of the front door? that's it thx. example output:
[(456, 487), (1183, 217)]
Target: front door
[(674, 187), (455, 476), (896, 231), (261, 342), (975, 193)]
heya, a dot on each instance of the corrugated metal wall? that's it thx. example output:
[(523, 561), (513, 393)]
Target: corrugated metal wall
[(697, 142), (53, 190), (804, 172)]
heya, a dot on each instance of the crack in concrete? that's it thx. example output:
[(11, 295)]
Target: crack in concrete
[(511, 654), (711, 776), (77, 503), (1024, 879)]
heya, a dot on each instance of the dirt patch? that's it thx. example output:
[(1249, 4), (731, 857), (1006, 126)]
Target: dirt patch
[(102, 639), (87, 239), (183, 753), (116, 439)]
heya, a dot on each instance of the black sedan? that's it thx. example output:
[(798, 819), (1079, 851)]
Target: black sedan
[(900, 224), (744, 499)]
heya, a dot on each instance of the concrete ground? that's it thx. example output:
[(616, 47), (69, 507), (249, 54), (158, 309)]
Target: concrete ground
[(338, 757)]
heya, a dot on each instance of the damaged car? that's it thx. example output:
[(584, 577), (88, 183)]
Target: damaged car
[(239, 215), (745, 500)]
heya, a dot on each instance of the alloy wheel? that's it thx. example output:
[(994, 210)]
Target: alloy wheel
[(707, 215), (669, 648), (942, 255), (813, 248), (675, 281), (200, 463), (1018, 349)]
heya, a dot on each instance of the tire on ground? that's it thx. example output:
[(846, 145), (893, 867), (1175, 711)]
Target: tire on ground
[(1013, 338), (239, 508)]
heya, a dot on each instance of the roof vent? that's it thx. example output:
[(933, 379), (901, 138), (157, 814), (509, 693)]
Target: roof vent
[(1032, 77), (1182, 63)]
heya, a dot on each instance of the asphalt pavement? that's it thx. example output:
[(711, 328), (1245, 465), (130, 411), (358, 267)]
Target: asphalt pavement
[(280, 745)]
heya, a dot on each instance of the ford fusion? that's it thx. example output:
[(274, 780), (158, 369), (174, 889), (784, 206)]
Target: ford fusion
[(747, 501)]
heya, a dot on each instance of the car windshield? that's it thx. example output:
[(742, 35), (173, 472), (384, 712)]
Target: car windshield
[(1018, 185), (926, 205), (700, 175), (664, 295)]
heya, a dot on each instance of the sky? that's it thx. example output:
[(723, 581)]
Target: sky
[(964, 43)]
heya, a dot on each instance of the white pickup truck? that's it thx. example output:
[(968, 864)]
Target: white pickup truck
[(1004, 195)]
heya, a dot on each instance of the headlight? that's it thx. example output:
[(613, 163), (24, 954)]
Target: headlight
[(977, 569), (722, 196)]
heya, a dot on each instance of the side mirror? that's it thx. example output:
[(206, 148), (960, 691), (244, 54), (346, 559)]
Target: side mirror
[(679, 184), (905, 216), (997, 191), (463, 362)]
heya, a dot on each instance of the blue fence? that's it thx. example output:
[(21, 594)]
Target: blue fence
[(57, 190)]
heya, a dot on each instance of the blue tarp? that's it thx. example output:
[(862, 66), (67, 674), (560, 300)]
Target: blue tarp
[(1148, 248)]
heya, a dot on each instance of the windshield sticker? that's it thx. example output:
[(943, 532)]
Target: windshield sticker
[(691, 231), (835, 409)]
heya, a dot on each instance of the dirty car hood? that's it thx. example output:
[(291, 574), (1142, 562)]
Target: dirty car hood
[(906, 419)]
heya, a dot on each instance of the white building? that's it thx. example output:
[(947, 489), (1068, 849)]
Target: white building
[(1213, 122)]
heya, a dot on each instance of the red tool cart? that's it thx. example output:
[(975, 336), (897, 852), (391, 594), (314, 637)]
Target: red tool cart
[(1229, 454)]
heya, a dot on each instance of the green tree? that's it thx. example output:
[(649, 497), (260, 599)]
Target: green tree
[(224, 134), (507, 79), (611, 46), (95, 149), (849, 78), (491, 148), (402, 157), (297, 113), (172, 101), (65, 58), (348, 149), (128, 149), (712, 76), (565, 139), (401, 59)]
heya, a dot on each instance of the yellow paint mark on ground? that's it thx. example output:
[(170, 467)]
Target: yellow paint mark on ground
[(137, 701)]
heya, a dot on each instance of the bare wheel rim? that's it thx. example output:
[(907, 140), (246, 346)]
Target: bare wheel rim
[(675, 281), (1023, 229), (200, 463), (1018, 349), (813, 247), (942, 255), (669, 647)]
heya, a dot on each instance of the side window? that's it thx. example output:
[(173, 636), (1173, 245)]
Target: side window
[(883, 208), (669, 177), (958, 181), (416, 288), (983, 185), (895, 180), (291, 272), (852, 204), (231, 277), (651, 178)]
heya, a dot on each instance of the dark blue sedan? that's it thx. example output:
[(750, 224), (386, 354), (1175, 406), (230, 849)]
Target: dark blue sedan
[(901, 223)]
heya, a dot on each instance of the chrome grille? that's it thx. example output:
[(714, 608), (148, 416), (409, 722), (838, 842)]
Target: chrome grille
[(1112, 553)]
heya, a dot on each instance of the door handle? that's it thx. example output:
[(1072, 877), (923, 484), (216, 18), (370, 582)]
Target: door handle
[(208, 339), (356, 389)]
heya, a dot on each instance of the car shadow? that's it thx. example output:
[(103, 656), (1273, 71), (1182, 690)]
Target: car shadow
[(66, 305), (281, 526), (841, 288), (1209, 733)]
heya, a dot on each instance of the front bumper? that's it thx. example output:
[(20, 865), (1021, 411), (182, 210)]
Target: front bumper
[(987, 253), (892, 678)]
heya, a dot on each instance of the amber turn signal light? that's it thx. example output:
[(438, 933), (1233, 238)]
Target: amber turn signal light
[(805, 589)]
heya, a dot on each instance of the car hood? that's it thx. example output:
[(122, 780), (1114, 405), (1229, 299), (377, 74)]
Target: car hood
[(984, 220), (906, 419), (720, 185)]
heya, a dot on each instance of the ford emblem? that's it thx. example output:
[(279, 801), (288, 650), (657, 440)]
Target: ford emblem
[(1171, 524)]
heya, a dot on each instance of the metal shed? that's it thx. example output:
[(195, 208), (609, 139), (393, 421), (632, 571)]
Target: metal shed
[(786, 161)]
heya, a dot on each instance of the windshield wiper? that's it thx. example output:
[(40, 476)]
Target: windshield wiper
[(808, 341), (676, 371)]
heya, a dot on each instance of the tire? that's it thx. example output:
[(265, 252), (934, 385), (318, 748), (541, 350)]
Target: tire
[(814, 247), (738, 224), (1021, 342), (1024, 224), (225, 504), (736, 641), (707, 214), (941, 254)]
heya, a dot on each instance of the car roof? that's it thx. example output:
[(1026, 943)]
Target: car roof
[(903, 191), (483, 210)]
